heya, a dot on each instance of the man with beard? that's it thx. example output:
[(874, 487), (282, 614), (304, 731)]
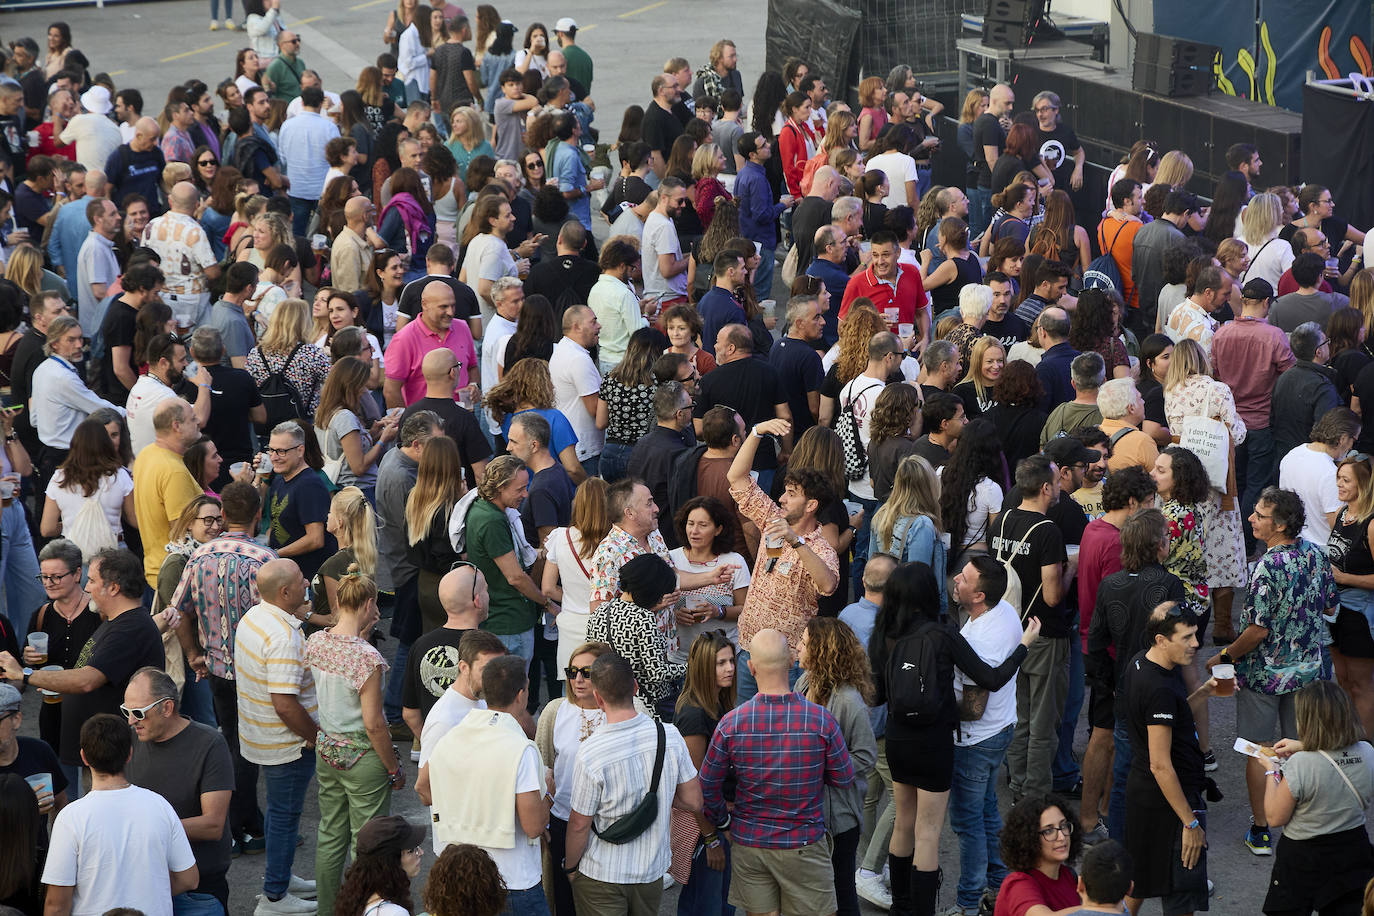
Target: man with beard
[(166, 371)]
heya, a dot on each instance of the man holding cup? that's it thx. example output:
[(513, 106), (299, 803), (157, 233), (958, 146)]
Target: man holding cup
[(30, 758)]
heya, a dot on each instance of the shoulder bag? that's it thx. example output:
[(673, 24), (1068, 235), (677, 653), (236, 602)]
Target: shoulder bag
[(642, 816)]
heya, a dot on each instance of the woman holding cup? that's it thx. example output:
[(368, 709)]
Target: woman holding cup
[(1348, 549), (707, 532)]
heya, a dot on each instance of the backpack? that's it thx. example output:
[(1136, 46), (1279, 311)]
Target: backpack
[(1013, 594), (90, 530), (1102, 272), (280, 396), (916, 694), (847, 428)]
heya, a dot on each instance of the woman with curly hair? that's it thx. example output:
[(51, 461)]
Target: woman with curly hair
[(625, 405), (971, 489), (893, 430), (1016, 414), (987, 361), (463, 881), (849, 357), (908, 526), (708, 532), (1184, 492), (835, 674), (682, 323), (1092, 326), (386, 860), (1039, 840), (528, 386)]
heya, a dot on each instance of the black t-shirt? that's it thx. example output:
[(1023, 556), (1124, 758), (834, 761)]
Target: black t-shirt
[(987, 131), (1043, 547), (232, 394), (627, 189), (565, 280), (1007, 167), (693, 721), (460, 426), (751, 387), (431, 668), (291, 505), (133, 172), (121, 324), (660, 129), (1153, 393), (799, 372), (34, 757), (549, 503), (13, 143), (1125, 601), (464, 299), (119, 648), (937, 455), (1156, 696), (1056, 148), (1008, 331), (29, 207)]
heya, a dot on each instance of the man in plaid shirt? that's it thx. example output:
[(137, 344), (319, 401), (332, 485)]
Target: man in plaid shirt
[(783, 751)]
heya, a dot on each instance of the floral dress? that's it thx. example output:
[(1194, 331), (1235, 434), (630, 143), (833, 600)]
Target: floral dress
[(1187, 533), (1223, 543)]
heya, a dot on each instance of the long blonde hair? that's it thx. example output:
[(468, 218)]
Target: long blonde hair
[(835, 658), (1363, 505), (1175, 169), (25, 269), (288, 326), (354, 512), (915, 491), (1362, 298), (1188, 360), (438, 487), (975, 363), (1261, 221)]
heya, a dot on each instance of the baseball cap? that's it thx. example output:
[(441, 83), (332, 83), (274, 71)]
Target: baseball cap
[(96, 100), (1257, 288), (1068, 450), (566, 24), (391, 833), (9, 699)]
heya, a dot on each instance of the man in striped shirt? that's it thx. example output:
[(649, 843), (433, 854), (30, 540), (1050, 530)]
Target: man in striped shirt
[(277, 709)]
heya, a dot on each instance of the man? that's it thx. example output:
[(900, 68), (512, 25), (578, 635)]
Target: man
[(1049, 285), (1001, 322), (476, 648), (188, 764), (940, 368), (759, 207), (136, 166), (720, 306), (1055, 367), (72, 225), (567, 278), (797, 363), (1244, 158), (1034, 546), (651, 459), (633, 513), (226, 315), (952, 203), (664, 264), (579, 61), (508, 298), (128, 111), (235, 403), (1087, 373), (567, 168), (613, 771), (393, 87), (34, 197), (1309, 303), (96, 266), (832, 251), (350, 257), (1310, 471), (1304, 392), (721, 71), (439, 368), (891, 285), (943, 418), (25, 756), (703, 470), (1192, 318), (661, 127), (187, 260), (783, 751), (1147, 256), (1166, 775), (116, 822), (1116, 233), (1123, 411), (310, 79), (248, 146), (549, 502), (1311, 240), (577, 382), (286, 69), (439, 264), (167, 361), (750, 386), (163, 487), (302, 142), (989, 137), (467, 89), (177, 145), (435, 662), (987, 720), (59, 400), (277, 722), (298, 501), (1059, 148), (405, 379), (28, 356), (814, 210)]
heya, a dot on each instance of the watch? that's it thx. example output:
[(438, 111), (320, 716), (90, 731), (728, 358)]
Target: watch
[(1225, 657)]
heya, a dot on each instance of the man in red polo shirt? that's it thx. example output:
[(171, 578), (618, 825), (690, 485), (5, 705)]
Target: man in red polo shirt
[(405, 378), (891, 285)]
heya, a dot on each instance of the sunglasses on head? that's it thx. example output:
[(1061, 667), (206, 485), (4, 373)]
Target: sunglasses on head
[(459, 564)]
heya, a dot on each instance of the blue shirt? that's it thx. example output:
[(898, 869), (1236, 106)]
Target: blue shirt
[(69, 231), (568, 169), (1053, 370), (860, 617), (758, 208), (718, 308), (561, 432), (302, 141), (799, 370), (835, 279)]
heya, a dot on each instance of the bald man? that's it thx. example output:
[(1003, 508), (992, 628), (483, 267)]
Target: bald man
[(188, 262), (989, 139), (435, 328), (814, 212), (783, 750), (432, 665), (351, 256), (163, 487), (136, 167), (439, 369)]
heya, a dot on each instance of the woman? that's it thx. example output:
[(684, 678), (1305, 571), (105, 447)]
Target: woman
[(709, 533), (1038, 843), (629, 624), (356, 764), (250, 71), (528, 386), (707, 164), (378, 107), (219, 208), (1140, 163), (407, 223), (874, 188), (1058, 237), (238, 238), (1007, 257), (90, 493), (630, 186), (794, 138), (387, 859), (959, 268), (354, 123), (467, 137), (339, 427), (268, 231), (840, 132), (1190, 391), (1228, 200), (987, 361), (262, 22), (1093, 327), (354, 526), (464, 882), (499, 55), (1184, 497), (1352, 563), (536, 332), (1155, 352), (533, 54), (563, 725), (1016, 414), (337, 193), (1020, 154), (25, 269), (1324, 859), (1014, 208), (872, 113), (413, 48), (850, 356), (1175, 169), (203, 461), (21, 887), (921, 757), (975, 104), (341, 311), (532, 170), (201, 521), (907, 526), (59, 46), (438, 487), (893, 430), (820, 448), (835, 674), (1345, 331), (625, 403), (386, 157), (683, 325), (383, 285), (567, 565), (282, 349), (971, 490), (1270, 255)]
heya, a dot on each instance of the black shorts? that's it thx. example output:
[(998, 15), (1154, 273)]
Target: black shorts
[(924, 759), (1350, 634), (1154, 838), (1101, 707)]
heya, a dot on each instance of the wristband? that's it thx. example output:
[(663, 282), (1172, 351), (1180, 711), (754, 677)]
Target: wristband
[(720, 612), (1194, 825)]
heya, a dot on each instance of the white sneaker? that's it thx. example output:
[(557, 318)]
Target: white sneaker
[(301, 888), (290, 905), (668, 881), (870, 888), (887, 877)]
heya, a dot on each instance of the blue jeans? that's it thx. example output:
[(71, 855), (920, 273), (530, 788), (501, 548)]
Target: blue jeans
[(763, 276), (286, 786), (706, 889), (974, 816), (746, 686), (391, 702), (193, 903), (592, 466), (922, 184), (300, 213), (615, 457), (1065, 772), (1255, 470), (861, 543), (196, 701), (529, 902), (1121, 768), (979, 210), (214, 14), (73, 774), (521, 644), (19, 561)]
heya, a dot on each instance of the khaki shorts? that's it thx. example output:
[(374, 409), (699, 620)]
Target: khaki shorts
[(798, 882)]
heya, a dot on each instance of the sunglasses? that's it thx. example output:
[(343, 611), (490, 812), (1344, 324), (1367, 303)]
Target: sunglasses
[(140, 714), (458, 564), (573, 671), (206, 162)]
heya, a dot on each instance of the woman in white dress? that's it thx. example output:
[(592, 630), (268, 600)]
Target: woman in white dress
[(568, 566)]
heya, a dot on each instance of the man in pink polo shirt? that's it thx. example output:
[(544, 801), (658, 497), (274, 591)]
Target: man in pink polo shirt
[(891, 285), (405, 382)]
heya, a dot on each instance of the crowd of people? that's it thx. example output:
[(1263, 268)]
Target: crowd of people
[(740, 593)]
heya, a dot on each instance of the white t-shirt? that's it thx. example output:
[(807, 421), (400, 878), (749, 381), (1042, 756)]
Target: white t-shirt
[(627, 223), (660, 237), (1269, 261), (993, 635), (911, 367), (116, 847), (574, 376), (984, 501), (144, 397), (719, 595), (571, 726), (862, 391), (487, 258), (521, 866), (385, 908), (110, 494), (96, 138), (1312, 475), (447, 711), (899, 169), (577, 586)]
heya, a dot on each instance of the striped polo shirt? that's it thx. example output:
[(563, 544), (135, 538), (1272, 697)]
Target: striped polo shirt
[(269, 657)]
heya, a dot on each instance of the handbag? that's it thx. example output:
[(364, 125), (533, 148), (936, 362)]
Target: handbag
[(332, 466), (642, 816), (1210, 440)]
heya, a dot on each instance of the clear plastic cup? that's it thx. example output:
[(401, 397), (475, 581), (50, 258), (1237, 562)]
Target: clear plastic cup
[(1226, 679), (38, 642)]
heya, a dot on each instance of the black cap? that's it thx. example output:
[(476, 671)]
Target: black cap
[(1068, 450), (392, 833), (1258, 289)]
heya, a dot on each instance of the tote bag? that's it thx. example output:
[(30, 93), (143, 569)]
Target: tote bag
[(1210, 440)]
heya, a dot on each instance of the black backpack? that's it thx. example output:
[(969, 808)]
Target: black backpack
[(916, 693), (281, 398)]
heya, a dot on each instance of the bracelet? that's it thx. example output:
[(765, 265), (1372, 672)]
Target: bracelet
[(714, 842), (720, 612), (1195, 825), (566, 870)]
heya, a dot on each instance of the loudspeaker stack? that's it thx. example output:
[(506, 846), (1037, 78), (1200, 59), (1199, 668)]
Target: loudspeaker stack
[(1172, 66)]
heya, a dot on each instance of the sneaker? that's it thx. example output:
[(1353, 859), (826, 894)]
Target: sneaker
[(290, 905), (301, 888), (988, 905), (214, 26), (250, 845), (401, 731), (887, 877), (1096, 835), (1209, 761), (229, 24), (1257, 841), (871, 888), (1211, 888)]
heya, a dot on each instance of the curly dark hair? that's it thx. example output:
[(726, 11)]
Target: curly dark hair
[(1092, 323), (377, 873), (464, 881), (723, 542), (977, 454), (1019, 386), (892, 412), (813, 483), (1191, 485), (1021, 833)]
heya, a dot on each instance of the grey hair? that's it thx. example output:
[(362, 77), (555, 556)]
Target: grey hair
[(63, 550), (1115, 397), (799, 305), (420, 423), (845, 207), (975, 301), (207, 344), (1088, 371), (668, 400), (290, 428), (1056, 327), (502, 285), (161, 686), (1305, 340), (535, 426), (937, 354), (1046, 96)]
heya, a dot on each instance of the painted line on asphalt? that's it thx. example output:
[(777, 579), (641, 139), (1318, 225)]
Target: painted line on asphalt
[(643, 9), (321, 46), (363, 6), (213, 47)]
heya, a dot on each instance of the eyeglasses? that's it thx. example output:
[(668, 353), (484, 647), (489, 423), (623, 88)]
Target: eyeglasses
[(212, 520), (1065, 828), (1044, 108), (1324, 343), (139, 715), (572, 671), (53, 580), (283, 452), (459, 564), (205, 162)]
